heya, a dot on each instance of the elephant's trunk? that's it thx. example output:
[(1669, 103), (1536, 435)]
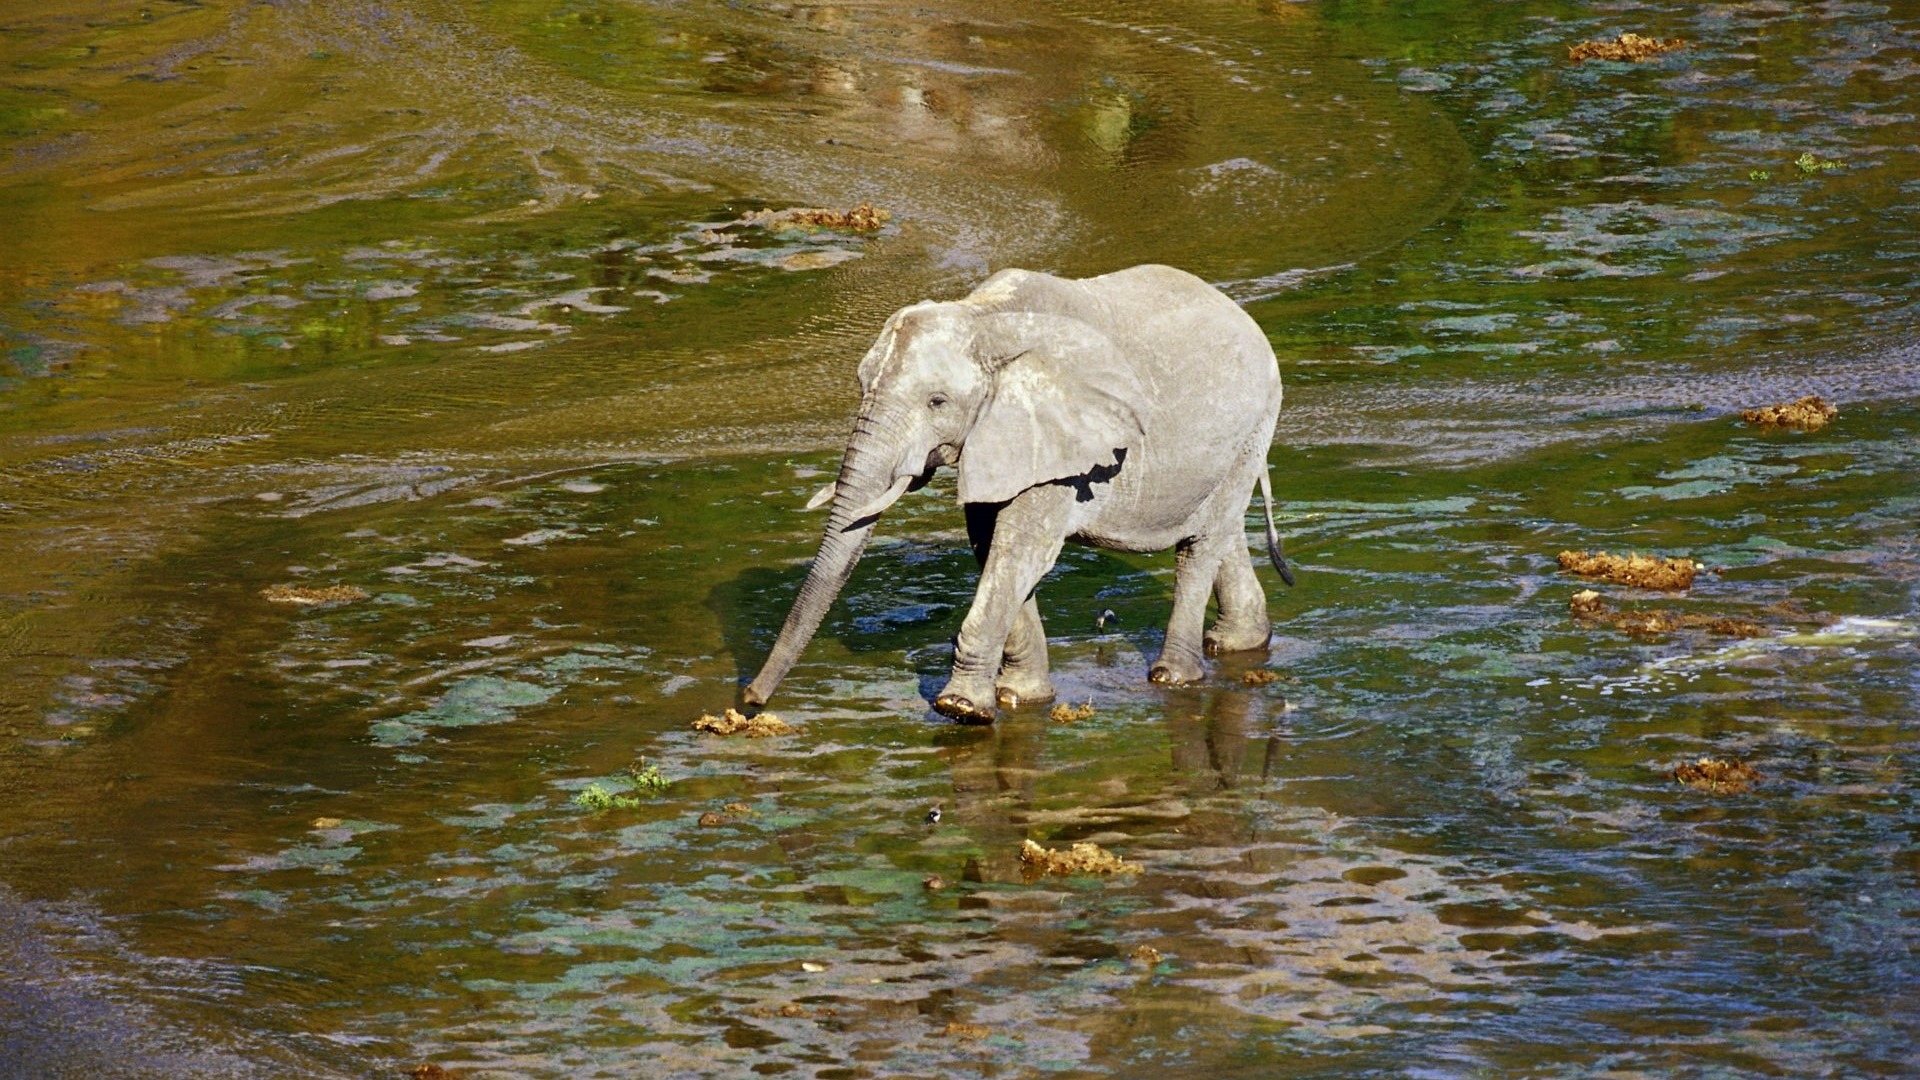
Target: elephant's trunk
[(867, 477)]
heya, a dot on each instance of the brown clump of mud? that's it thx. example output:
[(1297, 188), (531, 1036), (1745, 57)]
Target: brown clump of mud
[(1587, 606), (300, 594), (1066, 714), (1265, 677), (1628, 46), (1145, 955), (728, 814), (732, 722), (863, 218), (791, 1009), (958, 1030), (1810, 413), (430, 1071), (1082, 858), (1639, 571), (1716, 776)]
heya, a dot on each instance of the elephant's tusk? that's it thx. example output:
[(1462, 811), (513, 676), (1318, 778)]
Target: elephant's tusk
[(885, 500), (822, 497)]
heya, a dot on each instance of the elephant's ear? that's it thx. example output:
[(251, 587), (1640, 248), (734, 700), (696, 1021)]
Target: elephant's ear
[(1065, 401)]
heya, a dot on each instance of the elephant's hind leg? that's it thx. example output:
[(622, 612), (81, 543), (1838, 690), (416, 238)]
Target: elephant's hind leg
[(1196, 563), (1243, 624)]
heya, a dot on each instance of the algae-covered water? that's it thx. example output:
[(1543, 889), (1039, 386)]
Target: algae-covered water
[(462, 312)]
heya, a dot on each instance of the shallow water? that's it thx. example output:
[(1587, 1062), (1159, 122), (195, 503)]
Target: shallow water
[(458, 305)]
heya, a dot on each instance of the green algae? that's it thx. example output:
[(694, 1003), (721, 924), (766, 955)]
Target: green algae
[(470, 702)]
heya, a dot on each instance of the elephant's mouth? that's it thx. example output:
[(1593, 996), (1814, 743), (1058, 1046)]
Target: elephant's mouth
[(942, 455)]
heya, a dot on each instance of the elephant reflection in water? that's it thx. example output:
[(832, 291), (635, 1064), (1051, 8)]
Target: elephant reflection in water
[(1218, 740), (1131, 411)]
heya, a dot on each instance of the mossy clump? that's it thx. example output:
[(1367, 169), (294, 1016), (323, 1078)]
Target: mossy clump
[(1066, 714), (1716, 776), (1810, 165), (1145, 955), (733, 722), (1082, 858), (1587, 606), (1810, 413), (1639, 571), (646, 776), (1628, 46), (595, 797), (300, 594), (1265, 677), (863, 218), (430, 1071)]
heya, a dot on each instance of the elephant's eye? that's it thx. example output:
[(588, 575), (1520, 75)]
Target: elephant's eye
[(937, 401)]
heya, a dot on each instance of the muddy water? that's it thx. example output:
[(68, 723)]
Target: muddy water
[(462, 307)]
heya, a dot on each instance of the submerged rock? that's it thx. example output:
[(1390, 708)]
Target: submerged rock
[(958, 1030), (790, 1010), (1720, 777), (1639, 571), (1628, 46), (1587, 606), (732, 722), (1264, 677), (300, 594), (1082, 858), (1810, 413)]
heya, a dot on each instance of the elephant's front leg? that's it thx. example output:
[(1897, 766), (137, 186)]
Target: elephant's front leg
[(1027, 536)]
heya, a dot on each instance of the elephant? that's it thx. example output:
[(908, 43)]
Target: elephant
[(1130, 411)]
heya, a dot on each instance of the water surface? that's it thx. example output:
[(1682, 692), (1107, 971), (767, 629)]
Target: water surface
[(458, 305)]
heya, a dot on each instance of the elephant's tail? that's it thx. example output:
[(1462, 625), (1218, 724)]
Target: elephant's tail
[(1273, 535)]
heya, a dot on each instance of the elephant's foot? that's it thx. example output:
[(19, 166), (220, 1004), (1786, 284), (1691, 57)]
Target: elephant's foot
[(966, 699), (1224, 637), (1023, 689), (1176, 670)]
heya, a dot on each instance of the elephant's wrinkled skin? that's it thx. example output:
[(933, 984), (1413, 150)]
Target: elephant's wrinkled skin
[(1129, 411)]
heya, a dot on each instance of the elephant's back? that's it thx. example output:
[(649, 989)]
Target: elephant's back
[(1191, 339), (1214, 395), (1186, 324)]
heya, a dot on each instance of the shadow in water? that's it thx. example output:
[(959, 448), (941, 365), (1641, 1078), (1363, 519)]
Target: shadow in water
[(901, 598)]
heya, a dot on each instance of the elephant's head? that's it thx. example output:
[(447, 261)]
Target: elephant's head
[(1014, 399)]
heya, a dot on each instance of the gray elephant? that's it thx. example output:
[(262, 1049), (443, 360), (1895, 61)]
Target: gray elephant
[(1130, 411)]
